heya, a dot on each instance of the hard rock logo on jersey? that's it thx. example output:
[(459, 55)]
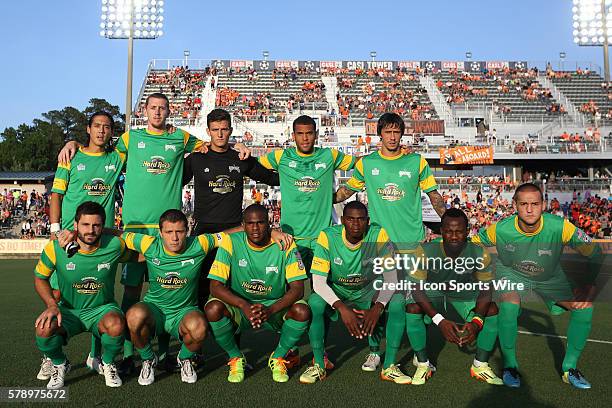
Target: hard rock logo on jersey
[(307, 184), (391, 192), (171, 281), (354, 279), (530, 268), (97, 187), (256, 287), (88, 286), (222, 185), (157, 165)]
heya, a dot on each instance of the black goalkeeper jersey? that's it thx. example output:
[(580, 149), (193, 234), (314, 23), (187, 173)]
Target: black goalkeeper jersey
[(219, 186)]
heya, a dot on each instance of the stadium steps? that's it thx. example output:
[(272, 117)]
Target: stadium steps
[(209, 98), (331, 87), (438, 100), (573, 113)]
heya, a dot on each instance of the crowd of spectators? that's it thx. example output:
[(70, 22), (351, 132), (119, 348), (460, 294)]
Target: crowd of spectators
[(32, 210)]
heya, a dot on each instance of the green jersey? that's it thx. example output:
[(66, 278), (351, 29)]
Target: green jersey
[(536, 256), (472, 265), (259, 275), (87, 279), (173, 277), (154, 174), (349, 267), (394, 185), (306, 183), (88, 177)]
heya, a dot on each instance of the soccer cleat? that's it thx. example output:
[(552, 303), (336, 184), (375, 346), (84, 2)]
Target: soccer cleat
[(46, 369), (188, 372), (415, 362), (372, 362), (279, 369), (169, 364), (422, 373), (57, 376), (292, 358), (393, 373), (147, 372), (127, 367), (236, 373), (486, 374), (94, 364), (328, 364), (111, 376), (312, 374), (511, 377), (574, 377)]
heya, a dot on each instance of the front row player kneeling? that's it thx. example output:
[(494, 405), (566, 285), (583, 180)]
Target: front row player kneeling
[(86, 283), (470, 265), (344, 285), (256, 284)]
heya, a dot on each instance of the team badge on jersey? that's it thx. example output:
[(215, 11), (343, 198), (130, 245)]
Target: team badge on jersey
[(170, 147), (509, 248), (110, 167), (242, 263), (582, 236), (300, 263), (544, 252), (271, 269), (81, 167), (405, 173), (103, 266), (206, 170), (338, 261), (141, 145), (234, 168), (187, 261), (155, 261), (375, 171), (320, 166), (71, 266), (293, 164)]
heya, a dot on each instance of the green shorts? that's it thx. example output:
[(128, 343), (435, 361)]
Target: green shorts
[(305, 247), (274, 323), (76, 321), (556, 289), (134, 273), (169, 322), (318, 305)]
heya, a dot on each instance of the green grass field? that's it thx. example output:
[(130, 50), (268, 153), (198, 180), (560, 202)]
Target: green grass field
[(540, 359)]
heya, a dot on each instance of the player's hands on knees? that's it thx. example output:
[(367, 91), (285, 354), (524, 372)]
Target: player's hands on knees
[(351, 321), (261, 313), (450, 331), (44, 320), (471, 332), (67, 152), (65, 237), (370, 318), (282, 239), (243, 151)]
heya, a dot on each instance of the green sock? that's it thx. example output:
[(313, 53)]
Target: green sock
[(507, 325), (112, 347), (224, 330), (291, 332), (417, 334), (163, 344), (577, 334), (376, 337), (318, 328), (128, 347), (185, 353), (96, 346), (52, 348), (396, 323), (146, 353), (486, 339)]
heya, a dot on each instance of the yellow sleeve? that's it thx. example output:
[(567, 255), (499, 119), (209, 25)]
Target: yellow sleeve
[(568, 231), (357, 181), (485, 274), (46, 263), (220, 269)]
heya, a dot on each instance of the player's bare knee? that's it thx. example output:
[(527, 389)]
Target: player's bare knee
[(580, 305), (299, 312), (414, 308), (215, 311), (194, 326), (136, 317), (113, 324), (46, 331)]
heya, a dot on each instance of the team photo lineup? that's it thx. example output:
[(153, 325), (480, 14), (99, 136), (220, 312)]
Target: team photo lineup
[(350, 228)]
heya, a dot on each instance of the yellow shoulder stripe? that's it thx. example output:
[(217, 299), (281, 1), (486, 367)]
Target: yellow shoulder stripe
[(568, 231), (323, 240)]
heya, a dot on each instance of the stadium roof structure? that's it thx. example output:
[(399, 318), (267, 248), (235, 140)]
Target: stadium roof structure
[(25, 175)]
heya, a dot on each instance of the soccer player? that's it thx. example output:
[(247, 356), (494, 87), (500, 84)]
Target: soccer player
[(256, 284), (219, 184), (529, 246), (306, 184), (170, 305), (90, 176), (343, 281), (86, 283), (393, 182), (447, 263)]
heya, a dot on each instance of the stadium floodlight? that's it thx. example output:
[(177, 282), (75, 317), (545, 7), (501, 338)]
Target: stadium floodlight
[(373, 55), (591, 22), (562, 56), (265, 54), (468, 55), (131, 19), (186, 54)]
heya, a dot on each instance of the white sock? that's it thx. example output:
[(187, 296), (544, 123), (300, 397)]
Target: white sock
[(478, 363)]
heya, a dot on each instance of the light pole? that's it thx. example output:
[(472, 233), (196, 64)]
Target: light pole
[(265, 54), (186, 54), (373, 55), (468, 55), (131, 19), (561, 60), (591, 24)]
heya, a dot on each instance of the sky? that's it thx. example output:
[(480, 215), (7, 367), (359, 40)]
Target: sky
[(53, 55)]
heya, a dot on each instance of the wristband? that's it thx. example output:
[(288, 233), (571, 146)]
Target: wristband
[(55, 227), (478, 322), (437, 319)]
